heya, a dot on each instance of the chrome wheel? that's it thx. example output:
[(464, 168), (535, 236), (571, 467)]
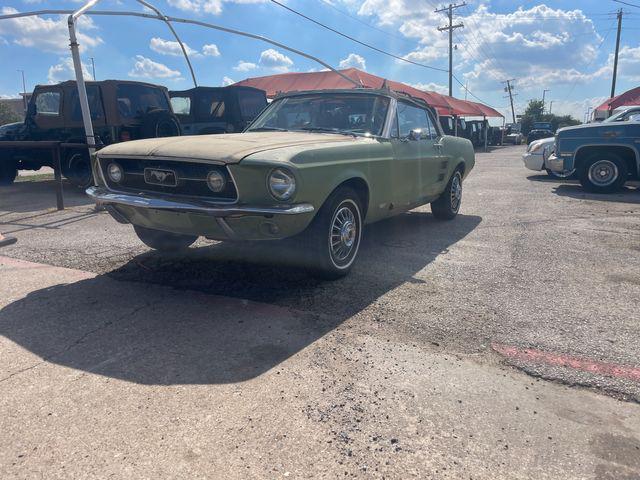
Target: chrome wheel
[(456, 191), (344, 234), (603, 173)]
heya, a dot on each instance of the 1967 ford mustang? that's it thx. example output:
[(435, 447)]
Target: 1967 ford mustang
[(315, 164)]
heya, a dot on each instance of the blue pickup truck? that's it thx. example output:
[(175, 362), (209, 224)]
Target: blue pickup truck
[(605, 155)]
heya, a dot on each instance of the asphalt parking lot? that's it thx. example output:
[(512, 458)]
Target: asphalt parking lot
[(504, 344)]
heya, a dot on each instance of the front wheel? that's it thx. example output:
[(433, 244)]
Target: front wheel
[(603, 173), (164, 241), (446, 207), (335, 234)]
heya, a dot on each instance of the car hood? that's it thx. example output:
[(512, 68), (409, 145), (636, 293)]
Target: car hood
[(227, 148)]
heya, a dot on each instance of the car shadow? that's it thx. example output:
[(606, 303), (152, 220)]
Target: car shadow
[(122, 325), (628, 194), (35, 196)]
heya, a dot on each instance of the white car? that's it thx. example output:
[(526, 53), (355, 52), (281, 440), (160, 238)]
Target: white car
[(538, 154)]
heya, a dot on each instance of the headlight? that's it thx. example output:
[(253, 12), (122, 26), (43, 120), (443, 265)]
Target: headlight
[(282, 184), (216, 181), (115, 172)]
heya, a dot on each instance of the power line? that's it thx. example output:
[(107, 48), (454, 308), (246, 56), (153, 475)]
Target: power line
[(627, 3), (397, 57), (375, 48)]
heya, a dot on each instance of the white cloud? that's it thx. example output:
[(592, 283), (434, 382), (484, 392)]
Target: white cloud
[(213, 7), (46, 34), (431, 87), (64, 71), (227, 81), (353, 60), (243, 66), (529, 44), (275, 60), (147, 68), (628, 63), (210, 50), (168, 47)]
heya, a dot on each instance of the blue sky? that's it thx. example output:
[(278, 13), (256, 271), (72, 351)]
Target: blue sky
[(565, 46)]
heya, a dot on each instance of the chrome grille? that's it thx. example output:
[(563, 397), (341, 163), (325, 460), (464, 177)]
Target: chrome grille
[(190, 178)]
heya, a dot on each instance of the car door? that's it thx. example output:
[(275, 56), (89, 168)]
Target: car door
[(416, 156)]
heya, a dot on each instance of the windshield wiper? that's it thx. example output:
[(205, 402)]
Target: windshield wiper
[(328, 130), (268, 129)]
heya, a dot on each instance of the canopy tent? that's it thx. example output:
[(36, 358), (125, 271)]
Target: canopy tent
[(627, 99), (288, 82)]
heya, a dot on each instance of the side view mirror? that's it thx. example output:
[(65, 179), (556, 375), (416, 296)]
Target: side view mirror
[(415, 134), (31, 110)]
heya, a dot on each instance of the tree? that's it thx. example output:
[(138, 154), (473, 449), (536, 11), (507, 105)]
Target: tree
[(535, 113), (7, 115)]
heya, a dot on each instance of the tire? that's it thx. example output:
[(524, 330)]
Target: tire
[(160, 123), (603, 173), (335, 234), (446, 207), (164, 241), (8, 173), (78, 170), (561, 175)]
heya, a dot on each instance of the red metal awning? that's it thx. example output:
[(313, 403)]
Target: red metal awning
[(290, 82), (627, 99)]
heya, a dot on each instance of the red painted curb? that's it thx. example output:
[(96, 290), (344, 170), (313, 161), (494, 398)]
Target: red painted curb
[(569, 361)]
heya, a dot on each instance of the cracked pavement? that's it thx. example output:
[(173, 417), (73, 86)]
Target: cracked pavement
[(222, 363)]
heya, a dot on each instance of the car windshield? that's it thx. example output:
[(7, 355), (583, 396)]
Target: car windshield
[(340, 113), (542, 126), (624, 116)]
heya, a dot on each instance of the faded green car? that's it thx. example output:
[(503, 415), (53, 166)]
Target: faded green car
[(316, 165)]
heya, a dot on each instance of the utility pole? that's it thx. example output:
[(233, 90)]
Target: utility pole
[(93, 67), (615, 61), (544, 95), (450, 28), (466, 90), (24, 91), (509, 90), (550, 107)]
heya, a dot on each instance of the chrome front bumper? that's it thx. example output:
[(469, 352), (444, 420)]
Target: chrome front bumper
[(555, 163), (102, 196), (534, 161)]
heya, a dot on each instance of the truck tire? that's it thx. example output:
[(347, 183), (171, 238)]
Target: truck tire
[(164, 241), (335, 233), (78, 170), (446, 207), (8, 173), (160, 123), (603, 173)]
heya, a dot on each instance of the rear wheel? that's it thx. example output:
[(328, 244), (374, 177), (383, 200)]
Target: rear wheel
[(446, 207), (8, 172), (335, 234), (603, 173), (164, 241)]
